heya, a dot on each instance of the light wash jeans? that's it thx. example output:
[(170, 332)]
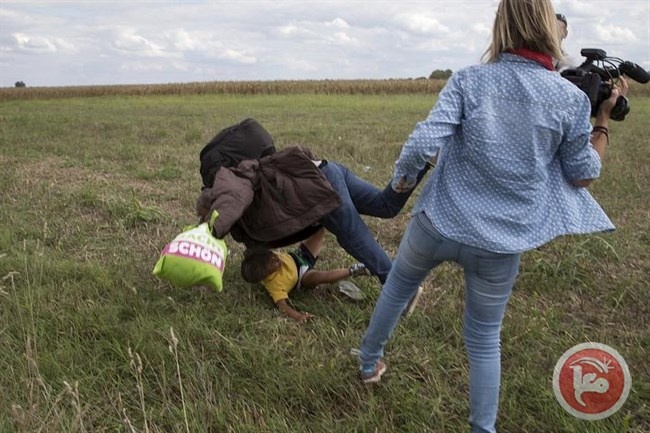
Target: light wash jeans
[(489, 278)]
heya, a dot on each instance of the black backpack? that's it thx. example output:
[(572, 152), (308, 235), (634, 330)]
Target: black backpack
[(245, 140)]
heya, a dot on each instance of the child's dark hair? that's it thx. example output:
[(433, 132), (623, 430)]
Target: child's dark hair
[(258, 263)]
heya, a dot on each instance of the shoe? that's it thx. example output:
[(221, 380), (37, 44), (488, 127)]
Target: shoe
[(410, 307), (358, 269), (349, 289), (374, 375)]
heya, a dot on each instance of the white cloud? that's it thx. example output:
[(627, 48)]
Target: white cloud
[(577, 10), (422, 23), (303, 30), (128, 41), (481, 29), (236, 56), (342, 38), (615, 34), (65, 45), (287, 30), (34, 44), (184, 41), (202, 43), (338, 23), (321, 31)]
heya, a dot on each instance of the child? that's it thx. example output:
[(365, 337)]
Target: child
[(281, 272)]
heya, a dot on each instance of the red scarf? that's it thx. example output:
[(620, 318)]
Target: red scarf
[(543, 59)]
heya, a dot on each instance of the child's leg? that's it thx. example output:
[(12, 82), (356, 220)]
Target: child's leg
[(313, 278), (314, 243)]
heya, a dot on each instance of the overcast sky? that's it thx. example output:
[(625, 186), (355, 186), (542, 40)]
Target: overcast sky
[(55, 43)]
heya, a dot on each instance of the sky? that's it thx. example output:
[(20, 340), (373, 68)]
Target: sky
[(57, 43)]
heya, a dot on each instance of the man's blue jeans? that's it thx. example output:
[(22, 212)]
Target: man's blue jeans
[(489, 278), (361, 198)]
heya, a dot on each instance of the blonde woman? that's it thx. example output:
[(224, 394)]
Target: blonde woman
[(515, 150)]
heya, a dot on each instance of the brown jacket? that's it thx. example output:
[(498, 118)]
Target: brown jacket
[(275, 200)]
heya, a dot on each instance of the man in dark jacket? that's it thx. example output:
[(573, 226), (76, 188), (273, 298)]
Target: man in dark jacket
[(280, 199), (277, 199)]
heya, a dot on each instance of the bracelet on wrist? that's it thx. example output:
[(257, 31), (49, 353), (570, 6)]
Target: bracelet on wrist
[(602, 130)]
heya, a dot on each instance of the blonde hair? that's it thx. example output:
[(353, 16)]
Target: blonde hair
[(529, 24)]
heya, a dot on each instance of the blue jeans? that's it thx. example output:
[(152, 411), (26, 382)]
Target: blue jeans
[(489, 278), (361, 198)]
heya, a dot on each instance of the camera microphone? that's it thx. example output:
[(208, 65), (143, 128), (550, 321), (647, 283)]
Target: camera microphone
[(634, 71)]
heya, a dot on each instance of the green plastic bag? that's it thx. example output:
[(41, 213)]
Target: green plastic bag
[(194, 258)]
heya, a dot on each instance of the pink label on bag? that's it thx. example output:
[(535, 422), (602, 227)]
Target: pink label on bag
[(195, 251)]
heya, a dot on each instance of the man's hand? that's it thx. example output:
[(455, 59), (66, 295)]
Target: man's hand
[(404, 186)]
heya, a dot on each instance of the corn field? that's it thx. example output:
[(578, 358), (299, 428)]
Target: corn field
[(323, 87)]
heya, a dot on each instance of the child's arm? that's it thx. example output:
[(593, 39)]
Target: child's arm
[(288, 311)]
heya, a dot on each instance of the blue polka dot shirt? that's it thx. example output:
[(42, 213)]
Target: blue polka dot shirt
[(510, 136)]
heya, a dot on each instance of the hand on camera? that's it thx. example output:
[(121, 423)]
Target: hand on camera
[(618, 89)]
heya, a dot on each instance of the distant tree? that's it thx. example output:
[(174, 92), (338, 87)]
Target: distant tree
[(439, 74), (20, 84)]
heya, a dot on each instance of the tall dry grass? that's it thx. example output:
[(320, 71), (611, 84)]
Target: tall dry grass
[(317, 87), (322, 87)]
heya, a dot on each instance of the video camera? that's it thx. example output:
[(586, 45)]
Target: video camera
[(594, 77)]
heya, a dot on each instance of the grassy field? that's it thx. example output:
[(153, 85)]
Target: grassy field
[(92, 189)]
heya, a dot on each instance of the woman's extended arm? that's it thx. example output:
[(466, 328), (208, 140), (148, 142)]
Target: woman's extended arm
[(600, 133)]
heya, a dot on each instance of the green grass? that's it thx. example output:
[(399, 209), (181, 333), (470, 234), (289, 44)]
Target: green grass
[(92, 189)]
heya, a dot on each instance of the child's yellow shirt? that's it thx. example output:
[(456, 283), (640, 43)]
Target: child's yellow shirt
[(282, 281)]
